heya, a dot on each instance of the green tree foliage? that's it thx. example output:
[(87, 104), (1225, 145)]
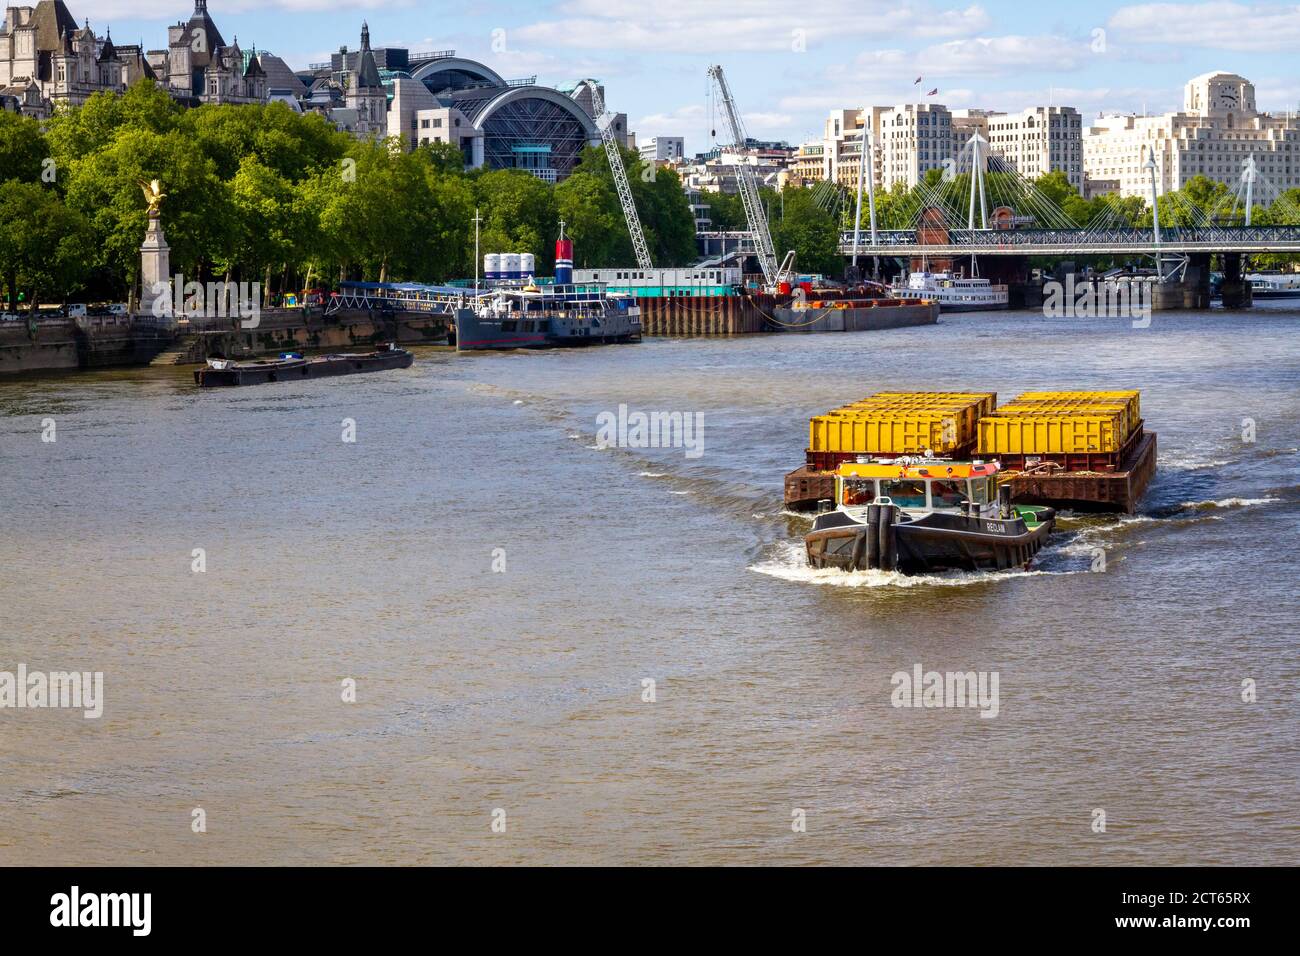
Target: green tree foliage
[(199, 215), (588, 200), (45, 247), (23, 149), (726, 211), (811, 231), (518, 213), (262, 193)]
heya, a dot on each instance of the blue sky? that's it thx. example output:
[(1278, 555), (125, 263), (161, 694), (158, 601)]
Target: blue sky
[(790, 62)]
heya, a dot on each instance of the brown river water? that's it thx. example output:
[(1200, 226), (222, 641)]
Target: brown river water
[(521, 690)]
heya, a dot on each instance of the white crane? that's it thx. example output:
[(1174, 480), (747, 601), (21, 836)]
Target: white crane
[(624, 188), (755, 213)]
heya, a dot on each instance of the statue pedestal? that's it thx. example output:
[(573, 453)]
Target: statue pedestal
[(155, 270)]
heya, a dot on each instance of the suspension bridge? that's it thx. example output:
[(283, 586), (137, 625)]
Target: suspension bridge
[(983, 206)]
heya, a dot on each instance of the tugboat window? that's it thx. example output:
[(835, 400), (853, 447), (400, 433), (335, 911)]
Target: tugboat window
[(859, 492), (906, 492), (947, 494)]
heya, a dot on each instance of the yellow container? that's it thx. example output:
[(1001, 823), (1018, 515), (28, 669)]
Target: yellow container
[(894, 434), (968, 407), (1133, 398), (985, 401), (902, 423), (1031, 408), (1050, 434)]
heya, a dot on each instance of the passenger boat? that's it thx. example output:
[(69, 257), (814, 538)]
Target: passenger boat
[(916, 515), (1274, 285), (545, 316), (953, 293), (291, 366), (518, 312)]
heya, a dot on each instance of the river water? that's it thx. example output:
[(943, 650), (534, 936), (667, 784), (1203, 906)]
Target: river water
[(517, 694)]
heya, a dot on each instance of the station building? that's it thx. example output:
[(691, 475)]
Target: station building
[(47, 60)]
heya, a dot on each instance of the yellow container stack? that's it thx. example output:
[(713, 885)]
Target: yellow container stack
[(1061, 423), (901, 423)]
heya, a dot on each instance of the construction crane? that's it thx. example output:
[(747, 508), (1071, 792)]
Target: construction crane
[(624, 188), (755, 213)]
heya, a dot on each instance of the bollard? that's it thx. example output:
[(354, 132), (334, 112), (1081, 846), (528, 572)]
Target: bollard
[(885, 536), (873, 536)]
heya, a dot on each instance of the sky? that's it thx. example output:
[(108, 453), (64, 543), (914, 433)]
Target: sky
[(789, 62)]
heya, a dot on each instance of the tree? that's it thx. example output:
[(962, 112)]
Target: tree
[(23, 149), (519, 214), (666, 216), (198, 213), (810, 231), (45, 247), (589, 207)]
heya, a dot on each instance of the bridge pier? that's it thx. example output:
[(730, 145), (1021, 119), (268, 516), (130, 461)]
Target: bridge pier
[(1190, 291), (1237, 293)]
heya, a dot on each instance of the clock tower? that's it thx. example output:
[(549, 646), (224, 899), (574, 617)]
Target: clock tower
[(1220, 95)]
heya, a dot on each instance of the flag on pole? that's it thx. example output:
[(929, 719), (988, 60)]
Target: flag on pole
[(933, 92), (916, 81)]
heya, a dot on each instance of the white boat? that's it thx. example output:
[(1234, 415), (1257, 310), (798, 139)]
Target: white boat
[(953, 293), (1274, 285)]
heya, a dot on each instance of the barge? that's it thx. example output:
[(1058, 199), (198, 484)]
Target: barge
[(854, 314), (291, 366), (1089, 451)]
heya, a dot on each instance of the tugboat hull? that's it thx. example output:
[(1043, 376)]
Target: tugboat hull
[(934, 542)]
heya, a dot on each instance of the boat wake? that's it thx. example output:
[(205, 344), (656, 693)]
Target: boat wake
[(1226, 503), (786, 560)]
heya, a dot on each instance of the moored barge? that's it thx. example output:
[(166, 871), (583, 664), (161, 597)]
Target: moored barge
[(517, 311), (291, 366)]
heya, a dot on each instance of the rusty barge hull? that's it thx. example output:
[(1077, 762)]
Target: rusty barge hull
[(1111, 491), (1119, 490)]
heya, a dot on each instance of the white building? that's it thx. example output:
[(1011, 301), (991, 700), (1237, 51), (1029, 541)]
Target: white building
[(913, 138), (1033, 142), (663, 149), (1216, 132)]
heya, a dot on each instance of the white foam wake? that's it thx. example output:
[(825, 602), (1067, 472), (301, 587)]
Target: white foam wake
[(788, 562)]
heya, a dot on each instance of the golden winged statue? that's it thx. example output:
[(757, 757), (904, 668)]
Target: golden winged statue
[(153, 194)]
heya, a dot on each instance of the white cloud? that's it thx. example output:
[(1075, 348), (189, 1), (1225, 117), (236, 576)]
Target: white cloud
[(1000, 55), (711, 26), (1216, 25), (169, 11)]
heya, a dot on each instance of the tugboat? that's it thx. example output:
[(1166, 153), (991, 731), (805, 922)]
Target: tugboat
[(292, 366), (516, 311), (917, 515)]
